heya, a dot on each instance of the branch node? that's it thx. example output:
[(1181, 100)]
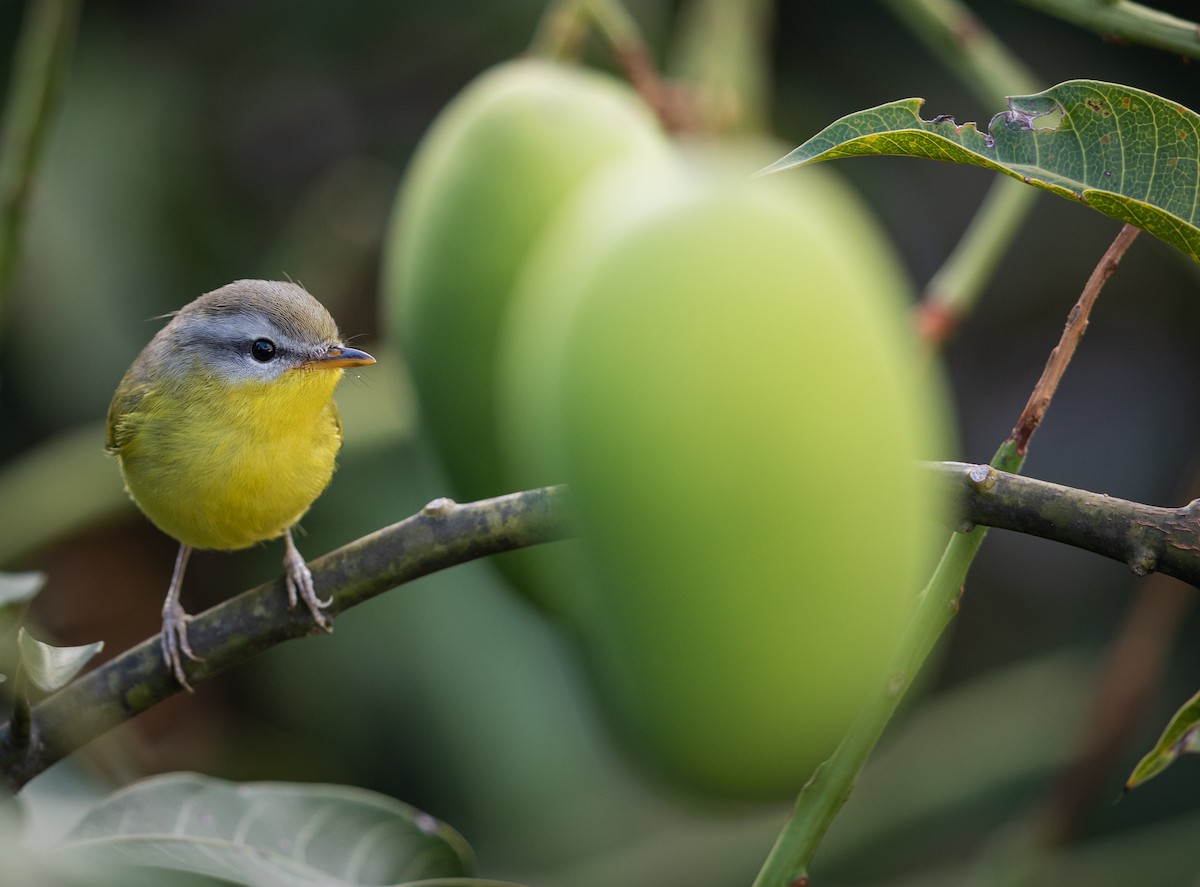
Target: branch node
[(439, 507), (1143, 561), (982, 477)]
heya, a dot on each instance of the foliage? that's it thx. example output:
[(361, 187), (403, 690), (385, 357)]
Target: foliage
[(1124, 152), (197, 146)]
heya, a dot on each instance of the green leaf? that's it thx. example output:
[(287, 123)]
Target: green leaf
[(1124, 152), (19, 588), (51, 667), (270, 834), (1182, 736), (16, 591)]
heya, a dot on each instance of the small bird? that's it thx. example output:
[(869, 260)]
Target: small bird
[(225, 431)]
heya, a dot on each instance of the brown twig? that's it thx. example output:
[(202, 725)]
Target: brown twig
[(563, 28), (1123, 693), (1077, 321), (672, 102), (560, 32)]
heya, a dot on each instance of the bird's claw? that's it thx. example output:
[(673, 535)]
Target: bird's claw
[(175, 642), (300, 588)]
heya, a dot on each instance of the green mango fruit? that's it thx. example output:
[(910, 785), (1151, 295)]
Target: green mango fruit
[(723, 371), (557, 577), (482, 184)]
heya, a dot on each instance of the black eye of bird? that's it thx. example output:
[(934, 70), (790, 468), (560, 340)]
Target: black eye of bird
[(262, 350)]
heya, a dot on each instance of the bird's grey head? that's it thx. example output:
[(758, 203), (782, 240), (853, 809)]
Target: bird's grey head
[(247, 331)]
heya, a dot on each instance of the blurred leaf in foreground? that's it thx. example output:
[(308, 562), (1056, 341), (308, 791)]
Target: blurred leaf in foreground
[(19, 588), (16, 591), (270, 834), (1126, 153), (1182, 736), (51, 667)]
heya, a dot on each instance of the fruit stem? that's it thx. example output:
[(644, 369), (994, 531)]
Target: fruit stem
[(952, 292), (560, 31), (722, 51), (991, 71), (830, 786), (565, 23)]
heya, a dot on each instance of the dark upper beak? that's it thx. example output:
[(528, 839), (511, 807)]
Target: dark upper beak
[(339, 356)]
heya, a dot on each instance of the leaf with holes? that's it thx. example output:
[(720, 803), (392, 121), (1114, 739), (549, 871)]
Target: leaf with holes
[(269, 834), (1182, 736), (1124, 152)]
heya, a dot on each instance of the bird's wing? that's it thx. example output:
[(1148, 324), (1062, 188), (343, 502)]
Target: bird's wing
[(125, 403)]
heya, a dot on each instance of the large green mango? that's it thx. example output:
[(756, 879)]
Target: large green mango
[(492, 170), (724, 373)]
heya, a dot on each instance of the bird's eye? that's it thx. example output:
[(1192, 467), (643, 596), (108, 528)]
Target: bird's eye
[(262, 350)]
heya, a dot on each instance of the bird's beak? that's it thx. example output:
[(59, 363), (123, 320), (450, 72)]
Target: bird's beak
[(337, 357)]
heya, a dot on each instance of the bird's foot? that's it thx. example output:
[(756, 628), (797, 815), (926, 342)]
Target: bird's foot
[(175, 641), (300, 587)]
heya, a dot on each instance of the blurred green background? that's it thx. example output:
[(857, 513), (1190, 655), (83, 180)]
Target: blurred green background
[(200, 143)]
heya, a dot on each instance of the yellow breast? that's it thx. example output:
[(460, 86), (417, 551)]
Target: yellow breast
[(225, 466)]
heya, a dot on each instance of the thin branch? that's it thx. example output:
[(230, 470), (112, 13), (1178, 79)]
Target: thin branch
[(1125, 691), (40, 68), (441, 535), (830, 786), (1125, 22), (1077, 321), (22, 718)]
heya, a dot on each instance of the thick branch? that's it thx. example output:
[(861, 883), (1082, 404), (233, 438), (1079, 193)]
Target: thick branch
[(445, 534), (1144, 537), (442, 535)]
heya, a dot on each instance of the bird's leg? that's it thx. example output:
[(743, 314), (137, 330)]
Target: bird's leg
[(174, 627), (300, 584)]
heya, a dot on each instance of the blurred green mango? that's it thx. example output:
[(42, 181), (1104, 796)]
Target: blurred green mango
[(481, 186), (723, 371)]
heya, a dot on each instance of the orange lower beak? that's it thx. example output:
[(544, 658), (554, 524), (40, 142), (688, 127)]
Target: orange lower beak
[(338, 357)]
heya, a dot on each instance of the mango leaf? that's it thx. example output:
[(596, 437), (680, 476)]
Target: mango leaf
[(16, 591), (1182, 736), (1124, 152), (269, 834), (19, 588), (51, 667)]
